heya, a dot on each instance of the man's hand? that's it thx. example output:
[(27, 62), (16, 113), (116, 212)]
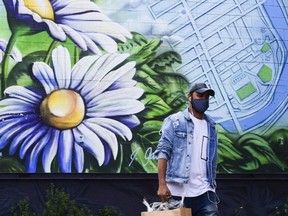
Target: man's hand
[(164, 193)]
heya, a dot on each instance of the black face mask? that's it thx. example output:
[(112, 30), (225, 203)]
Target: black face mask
[(200, 105)]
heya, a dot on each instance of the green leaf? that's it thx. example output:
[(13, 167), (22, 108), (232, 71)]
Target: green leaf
[(155, 106), (176, 82), (33, 43), (226, 149), (11, 165), (165, 60), (143, 153), (141, 50), (21, 73), (148, 83), (175, 90), (152, 125), (279, 143), (257, 151), (145, 143), (150, 131)]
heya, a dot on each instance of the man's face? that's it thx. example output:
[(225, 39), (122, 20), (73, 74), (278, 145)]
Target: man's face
[(196, 95)]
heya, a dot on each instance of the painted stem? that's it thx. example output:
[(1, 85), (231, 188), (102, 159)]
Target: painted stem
[(5, 65)]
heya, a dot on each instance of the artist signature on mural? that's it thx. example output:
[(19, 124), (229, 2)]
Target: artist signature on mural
[(148, 156)]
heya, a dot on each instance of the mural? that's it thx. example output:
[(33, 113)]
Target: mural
[(85, 85)]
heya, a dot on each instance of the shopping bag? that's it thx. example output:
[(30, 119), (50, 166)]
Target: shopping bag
[(173, 212), (170, 208)]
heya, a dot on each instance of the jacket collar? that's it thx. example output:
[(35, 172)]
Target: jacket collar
[(206, 117)]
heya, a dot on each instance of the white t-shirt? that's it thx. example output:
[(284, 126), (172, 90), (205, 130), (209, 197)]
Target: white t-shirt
[(198, 181)]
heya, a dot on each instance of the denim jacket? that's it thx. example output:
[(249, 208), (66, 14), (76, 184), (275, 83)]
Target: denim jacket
[(176, 142)]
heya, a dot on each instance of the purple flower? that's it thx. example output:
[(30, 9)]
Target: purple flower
[(80, 20), (83, 108)]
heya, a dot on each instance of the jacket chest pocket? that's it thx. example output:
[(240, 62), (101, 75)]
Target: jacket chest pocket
[(180, 138)]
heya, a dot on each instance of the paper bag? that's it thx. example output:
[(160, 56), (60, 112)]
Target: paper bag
[(174, 212)]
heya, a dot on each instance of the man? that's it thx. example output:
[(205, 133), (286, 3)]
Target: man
[(187, 155)]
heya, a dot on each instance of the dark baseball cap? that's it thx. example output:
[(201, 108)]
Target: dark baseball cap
[(201, 88)]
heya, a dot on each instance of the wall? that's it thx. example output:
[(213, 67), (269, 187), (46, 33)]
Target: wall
[(86, 85)]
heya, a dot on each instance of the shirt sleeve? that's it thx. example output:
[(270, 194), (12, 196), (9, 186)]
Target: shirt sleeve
[(164, 147)]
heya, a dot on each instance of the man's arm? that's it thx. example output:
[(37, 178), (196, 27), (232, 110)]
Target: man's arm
[(163, 191)]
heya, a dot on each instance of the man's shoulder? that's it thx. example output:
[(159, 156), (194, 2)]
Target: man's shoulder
[(209, 119), (178, 119), (178, 115)]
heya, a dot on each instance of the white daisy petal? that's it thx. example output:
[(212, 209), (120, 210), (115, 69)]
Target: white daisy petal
[(35, 16), (16, 110), (103, 66), (124, 84), (90, 142), (62, 66), (111, 78), (80, 70), (114, 126), (55, 30), (89, 21), (78, 155), (34, 155), (75, 36), (93, 70), (3, 45), (9, 136), (45, 75), (106, 135), (91, 45), (15, 102), (123, 77), (11, 122), (87, 16), (108, 44), (66, 141), (15, 107), (111, 61), (50, 151), (22, 93), (130, 121), (75, 7), (22, 136), (83, 16), (20, 127), (11, 125), (21, 9), (116, 95), (31, 139), (112, 108), (111, 29), (96, 69)]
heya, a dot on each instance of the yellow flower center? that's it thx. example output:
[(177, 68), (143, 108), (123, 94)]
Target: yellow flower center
[(63, 109), (41, 7)]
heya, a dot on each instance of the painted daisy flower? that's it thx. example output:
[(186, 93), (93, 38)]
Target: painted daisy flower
[(81, 108), (80, 20)]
